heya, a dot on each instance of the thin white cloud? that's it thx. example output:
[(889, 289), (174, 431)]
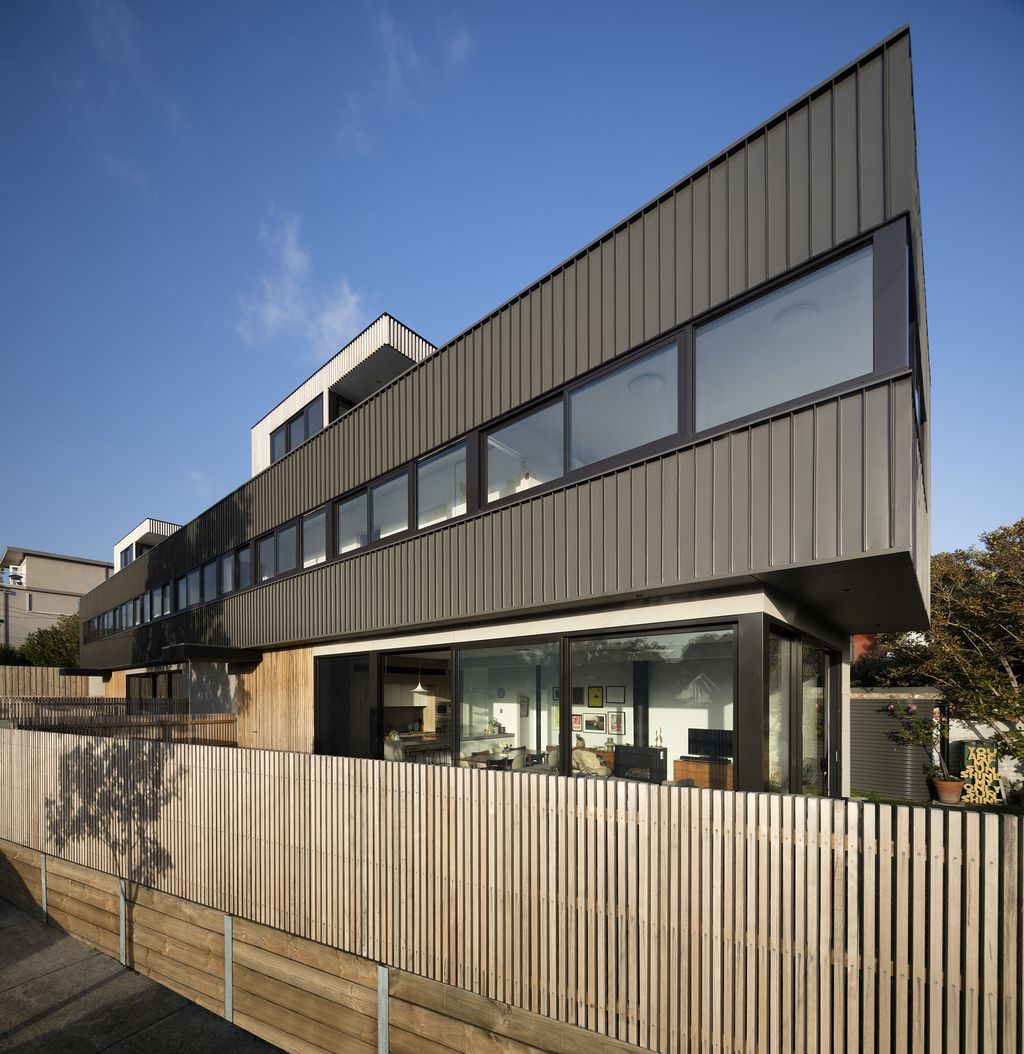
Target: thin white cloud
[(128, 172), (398, 53), (113, 32), (458, 45), (200, 483), (403, 70), (290, 305)]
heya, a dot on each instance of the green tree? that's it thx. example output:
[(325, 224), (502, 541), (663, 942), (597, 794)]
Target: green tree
[(11, 656), (974, 650), (55, 645)]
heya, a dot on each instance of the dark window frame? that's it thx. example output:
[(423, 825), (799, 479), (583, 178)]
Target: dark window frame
[(304, 415)]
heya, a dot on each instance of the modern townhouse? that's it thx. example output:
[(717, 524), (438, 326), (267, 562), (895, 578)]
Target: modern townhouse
[(625, 524)]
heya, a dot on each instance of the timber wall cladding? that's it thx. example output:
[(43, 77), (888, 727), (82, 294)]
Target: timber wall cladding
[(657, 916), (24, 681), (275, 702), (838, 162)]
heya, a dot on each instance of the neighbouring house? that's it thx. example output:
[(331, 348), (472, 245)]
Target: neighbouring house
[(644, 503), (38, 588)]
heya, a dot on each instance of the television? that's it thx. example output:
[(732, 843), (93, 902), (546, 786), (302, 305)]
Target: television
[(711, 742)]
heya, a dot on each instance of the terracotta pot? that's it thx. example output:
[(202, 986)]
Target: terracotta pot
[(948, 792)]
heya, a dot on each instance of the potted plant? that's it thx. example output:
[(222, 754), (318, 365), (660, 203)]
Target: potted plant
[(927, 732)]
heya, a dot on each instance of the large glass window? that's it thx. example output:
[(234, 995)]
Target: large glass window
[(655, 707), (633, 405), (210, 580), (182, 594), (145, 607), (352, 524), (441, 487), (167, 598), (287, 556), (227, 573), (509, 706), (245, 567), (193, 587), (156, 603), (525, 453), (390, 504), (314, 538), (810, 334), (267, 563), (777, 719)]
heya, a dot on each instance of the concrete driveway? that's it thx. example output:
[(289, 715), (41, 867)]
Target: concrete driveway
[(57, 994)]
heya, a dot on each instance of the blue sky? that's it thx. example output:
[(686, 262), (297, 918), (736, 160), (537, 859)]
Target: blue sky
[(200, 202)]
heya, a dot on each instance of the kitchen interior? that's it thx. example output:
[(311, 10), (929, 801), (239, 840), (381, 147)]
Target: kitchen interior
[(417, 700)]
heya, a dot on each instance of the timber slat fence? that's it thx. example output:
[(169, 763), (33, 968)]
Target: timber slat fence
[(670, 918), (58, 708), (41, 680)]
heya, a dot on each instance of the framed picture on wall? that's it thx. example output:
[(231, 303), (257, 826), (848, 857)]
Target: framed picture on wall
[(593, 723), (577, 722), (615, 695), (595, 695), (524, 706), (577, 697), (617, 722), (556, 694)]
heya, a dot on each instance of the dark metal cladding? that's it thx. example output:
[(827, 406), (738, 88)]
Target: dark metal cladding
[(836, 481)]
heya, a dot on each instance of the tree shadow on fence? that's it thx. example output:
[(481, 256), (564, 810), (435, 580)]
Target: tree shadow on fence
[(106, 813)]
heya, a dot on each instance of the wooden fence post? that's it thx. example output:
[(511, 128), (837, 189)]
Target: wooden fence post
[(122, 942)]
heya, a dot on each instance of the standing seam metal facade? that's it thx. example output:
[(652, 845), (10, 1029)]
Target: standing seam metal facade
[(834, 165)]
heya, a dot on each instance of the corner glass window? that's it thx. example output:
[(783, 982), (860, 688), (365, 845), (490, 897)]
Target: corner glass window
[(441, 487), (655, 707), (193, 587), (314, 538), (227, 573), (287, 557), (210, 580), (525, 453), (779, 704), (352, 524), (625, 409), (810, 334), (244, 567), (390, 503), (266, 558), (278, 443)]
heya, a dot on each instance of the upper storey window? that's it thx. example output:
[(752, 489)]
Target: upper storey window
[(811, 334), (625, 409), (305, 424), (390, 507), (441, 487), (525, 453)]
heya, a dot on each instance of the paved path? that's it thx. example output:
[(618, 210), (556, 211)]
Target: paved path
[(58, 995)]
